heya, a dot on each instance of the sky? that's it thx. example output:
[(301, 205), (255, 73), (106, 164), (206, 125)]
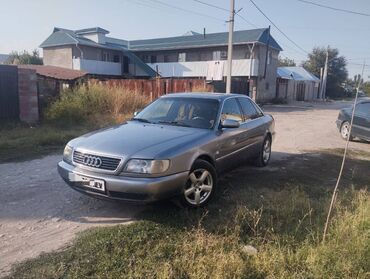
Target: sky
[(26, 23)]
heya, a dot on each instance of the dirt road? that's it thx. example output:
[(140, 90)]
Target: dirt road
[(39, 213)]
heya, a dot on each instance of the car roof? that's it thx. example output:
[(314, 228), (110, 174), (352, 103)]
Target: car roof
[(363, 100), (203, 95)]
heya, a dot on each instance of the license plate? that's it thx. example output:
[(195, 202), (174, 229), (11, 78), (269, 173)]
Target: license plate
[(89, 182)]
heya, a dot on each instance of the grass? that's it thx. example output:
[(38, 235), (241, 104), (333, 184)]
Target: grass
[(20, 142), (279, 210)]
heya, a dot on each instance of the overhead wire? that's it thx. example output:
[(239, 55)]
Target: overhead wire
[(334, 8), (282, 32)]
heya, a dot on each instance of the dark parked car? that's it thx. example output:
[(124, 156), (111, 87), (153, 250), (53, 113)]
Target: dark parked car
[(361, 121), (176, 146)]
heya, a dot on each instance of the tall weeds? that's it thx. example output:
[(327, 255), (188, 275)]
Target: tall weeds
[(95, 103)]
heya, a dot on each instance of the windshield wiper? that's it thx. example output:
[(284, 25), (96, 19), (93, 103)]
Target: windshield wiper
[(141, 120), (175, 123)]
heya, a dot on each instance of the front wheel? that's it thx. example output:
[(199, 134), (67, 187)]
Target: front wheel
[(265, 153), (200, 186), (344, 131)]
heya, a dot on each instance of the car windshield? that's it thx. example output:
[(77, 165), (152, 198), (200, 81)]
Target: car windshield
[(178, 111)]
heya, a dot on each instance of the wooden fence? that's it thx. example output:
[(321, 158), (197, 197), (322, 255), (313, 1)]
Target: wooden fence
[(155, 88)]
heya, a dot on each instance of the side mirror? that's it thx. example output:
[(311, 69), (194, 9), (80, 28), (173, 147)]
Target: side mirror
[(136, 113), (230, 123)]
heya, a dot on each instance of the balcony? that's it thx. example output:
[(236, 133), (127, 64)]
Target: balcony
[(241, 67), (97, 67)]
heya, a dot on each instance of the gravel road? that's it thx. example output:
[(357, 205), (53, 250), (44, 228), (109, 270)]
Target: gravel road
[(39, 213)]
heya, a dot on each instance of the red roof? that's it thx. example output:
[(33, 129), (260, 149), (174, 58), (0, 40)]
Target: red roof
[(55, 72)]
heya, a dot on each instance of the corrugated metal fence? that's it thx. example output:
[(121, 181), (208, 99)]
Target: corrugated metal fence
[(155, 88)]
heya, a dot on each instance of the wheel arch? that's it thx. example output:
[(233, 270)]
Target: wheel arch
[(207, 158)]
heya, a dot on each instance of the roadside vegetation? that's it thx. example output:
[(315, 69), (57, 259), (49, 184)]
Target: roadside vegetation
[(76, 112), (279, 210)]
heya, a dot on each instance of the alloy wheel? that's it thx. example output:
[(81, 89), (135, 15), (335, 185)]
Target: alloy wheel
[(266, 153), (345, 130), (199, 187)]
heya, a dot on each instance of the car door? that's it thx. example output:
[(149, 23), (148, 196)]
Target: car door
[(253, 127), (230, 140), (361, 122)]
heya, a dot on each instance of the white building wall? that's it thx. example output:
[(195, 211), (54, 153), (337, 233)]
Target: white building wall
[(241, 67), (97, 67)]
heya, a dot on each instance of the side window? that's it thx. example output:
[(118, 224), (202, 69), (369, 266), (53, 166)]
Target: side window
[(231, 110), (249, 110), (363, 109)]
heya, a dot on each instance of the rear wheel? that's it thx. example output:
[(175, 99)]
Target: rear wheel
[(200, 186), (264, 155), (345, 130)]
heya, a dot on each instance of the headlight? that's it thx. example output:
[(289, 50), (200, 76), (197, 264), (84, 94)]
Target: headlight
[(147, 166), (67, 154)]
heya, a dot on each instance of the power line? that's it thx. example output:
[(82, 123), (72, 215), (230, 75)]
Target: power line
[(285, 35), (333, 8), (211, 5), (247, 21), (185, 10), (226, 10)]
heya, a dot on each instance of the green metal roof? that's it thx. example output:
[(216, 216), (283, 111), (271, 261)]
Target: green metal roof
[(92, 30), (199, 40), (62, 36)]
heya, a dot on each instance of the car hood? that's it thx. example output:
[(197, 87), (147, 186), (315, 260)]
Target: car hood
[(132, 138)]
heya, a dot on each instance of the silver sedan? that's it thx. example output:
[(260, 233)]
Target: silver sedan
[(175, 147)]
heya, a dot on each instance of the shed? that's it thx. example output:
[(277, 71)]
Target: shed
[(51, 80), (296, 83)]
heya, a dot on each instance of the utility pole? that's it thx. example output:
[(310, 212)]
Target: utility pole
[(267, 51), (325, 75), (361, 77), (230, 47)]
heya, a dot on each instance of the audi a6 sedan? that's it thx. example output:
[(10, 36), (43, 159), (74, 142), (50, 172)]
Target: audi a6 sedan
[(175, 147), (361, 121)]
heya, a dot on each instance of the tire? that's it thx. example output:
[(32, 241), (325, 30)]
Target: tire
[(264, 155), (201, 185), (344, 131)]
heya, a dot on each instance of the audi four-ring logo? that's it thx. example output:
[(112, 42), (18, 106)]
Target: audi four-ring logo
[(92, 161)]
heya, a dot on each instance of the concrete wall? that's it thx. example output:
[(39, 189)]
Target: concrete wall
[(265, 87), (58, 56), (28, 99)]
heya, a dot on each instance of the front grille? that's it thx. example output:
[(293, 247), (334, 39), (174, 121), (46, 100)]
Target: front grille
[(96, 161)]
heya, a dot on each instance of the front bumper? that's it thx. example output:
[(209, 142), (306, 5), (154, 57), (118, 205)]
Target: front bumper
[(339, 123), (132, 189)]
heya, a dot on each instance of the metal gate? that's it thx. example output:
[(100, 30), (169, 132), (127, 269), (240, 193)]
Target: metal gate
[(301, 88), (9, 102)]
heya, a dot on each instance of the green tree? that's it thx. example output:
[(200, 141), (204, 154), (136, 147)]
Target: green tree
[(24, 57), (286, 62), (366, 88), (337, 69)]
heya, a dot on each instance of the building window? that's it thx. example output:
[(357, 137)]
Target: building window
[(153, 59), (220, 55), (182, 57), (269, 57), (126, 64), (223, 55), (216, 55), (116, 58), (145, 58), (171, 57), (106, 56)]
